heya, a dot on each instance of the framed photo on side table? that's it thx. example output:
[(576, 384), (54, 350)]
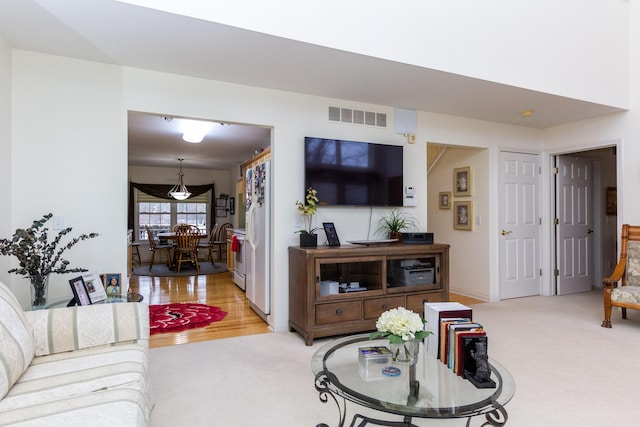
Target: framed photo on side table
[(95, 288), (113, 283), (463, 215), (332, 235), (80, 291)]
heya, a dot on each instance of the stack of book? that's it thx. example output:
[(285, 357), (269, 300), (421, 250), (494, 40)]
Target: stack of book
[(453, 335)]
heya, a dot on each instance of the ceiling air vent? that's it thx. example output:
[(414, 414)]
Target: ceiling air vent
[(358, 117)]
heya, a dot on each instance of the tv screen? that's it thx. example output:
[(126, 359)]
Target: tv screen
[(352, 173)]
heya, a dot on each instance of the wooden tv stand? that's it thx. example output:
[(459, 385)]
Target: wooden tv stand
[(342, 290)]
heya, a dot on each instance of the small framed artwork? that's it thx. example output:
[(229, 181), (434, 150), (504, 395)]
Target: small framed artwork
[(221, 212), (462, 182), (444, 200), (80, 292), (612, 201), (113, 283), (221, 202), (463, 215), (232, 205), (332, 235)]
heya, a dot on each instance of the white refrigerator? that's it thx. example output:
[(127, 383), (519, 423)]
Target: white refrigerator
[(257, 239)]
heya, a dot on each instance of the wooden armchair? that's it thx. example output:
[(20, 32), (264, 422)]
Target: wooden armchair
[(627, 272)]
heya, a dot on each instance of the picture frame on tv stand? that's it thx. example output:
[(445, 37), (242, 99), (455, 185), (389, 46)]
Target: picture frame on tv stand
[(332, 235)]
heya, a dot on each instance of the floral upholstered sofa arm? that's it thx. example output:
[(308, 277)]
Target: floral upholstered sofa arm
[(64, 329)]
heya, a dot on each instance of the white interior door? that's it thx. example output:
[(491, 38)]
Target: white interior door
[(575, 225), (519, 222)]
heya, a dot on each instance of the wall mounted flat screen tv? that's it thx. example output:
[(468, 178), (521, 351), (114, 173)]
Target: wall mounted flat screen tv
[(352, 173)]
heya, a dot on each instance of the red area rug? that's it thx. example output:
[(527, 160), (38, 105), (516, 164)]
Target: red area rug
[(182, 316)]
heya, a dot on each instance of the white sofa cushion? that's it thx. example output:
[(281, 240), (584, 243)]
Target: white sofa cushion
[(98, 386), (16, 343), (74, 328)]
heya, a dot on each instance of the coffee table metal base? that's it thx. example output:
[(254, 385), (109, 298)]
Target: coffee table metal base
[(496, 418)]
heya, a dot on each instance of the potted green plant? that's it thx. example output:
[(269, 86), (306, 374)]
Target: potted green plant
[(394, 223), (39, 257), (307, 209)]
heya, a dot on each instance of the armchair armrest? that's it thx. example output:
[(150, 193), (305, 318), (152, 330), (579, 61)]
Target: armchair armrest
[(72, 328), (617, 274)]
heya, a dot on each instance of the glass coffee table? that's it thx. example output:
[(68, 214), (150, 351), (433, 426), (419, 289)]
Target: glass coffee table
[(436, 391), (130, 297)]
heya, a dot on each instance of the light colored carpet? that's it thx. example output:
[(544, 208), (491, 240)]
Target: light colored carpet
[(568, 371)]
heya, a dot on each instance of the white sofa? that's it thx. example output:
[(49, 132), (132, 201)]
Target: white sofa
[(74, 366)]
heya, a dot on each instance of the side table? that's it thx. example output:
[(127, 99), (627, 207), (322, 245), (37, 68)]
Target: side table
[(130, 297)]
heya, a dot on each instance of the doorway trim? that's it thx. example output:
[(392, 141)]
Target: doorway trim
[(548, 204)]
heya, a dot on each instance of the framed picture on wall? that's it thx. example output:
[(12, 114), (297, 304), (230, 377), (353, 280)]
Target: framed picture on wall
[(232, 206), (444, 200), (463, 215), (462, 182)]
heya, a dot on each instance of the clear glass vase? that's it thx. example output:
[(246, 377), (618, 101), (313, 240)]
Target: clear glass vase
[(405, 353), (39, 291)]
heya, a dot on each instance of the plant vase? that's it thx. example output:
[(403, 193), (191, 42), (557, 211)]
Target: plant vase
[(396, 235), (308, 240), (39, 291), (405, 353)]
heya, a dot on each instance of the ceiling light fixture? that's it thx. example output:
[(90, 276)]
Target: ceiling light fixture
[(527, 113), (179, 191), (194, 130)]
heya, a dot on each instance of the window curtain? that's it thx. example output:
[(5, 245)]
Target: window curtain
[(161, 190)]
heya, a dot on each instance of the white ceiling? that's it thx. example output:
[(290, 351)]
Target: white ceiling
[(122, 34)]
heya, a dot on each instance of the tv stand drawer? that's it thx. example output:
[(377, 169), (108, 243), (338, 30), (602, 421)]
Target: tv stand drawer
[(338, 312)]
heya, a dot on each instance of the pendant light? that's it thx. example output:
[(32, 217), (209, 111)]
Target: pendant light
[(179, 191)]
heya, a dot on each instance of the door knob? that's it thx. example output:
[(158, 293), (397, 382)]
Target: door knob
[(505, 232), (589, 231)]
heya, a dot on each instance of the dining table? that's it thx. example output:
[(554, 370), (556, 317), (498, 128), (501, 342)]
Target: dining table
[(171, 235)]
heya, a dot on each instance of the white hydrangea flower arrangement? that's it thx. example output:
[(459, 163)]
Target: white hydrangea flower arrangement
[(399, 325)]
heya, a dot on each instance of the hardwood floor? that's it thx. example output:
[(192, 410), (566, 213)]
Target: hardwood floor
[(215, 289)]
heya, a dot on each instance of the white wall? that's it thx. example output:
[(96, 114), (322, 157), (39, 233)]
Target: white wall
[(69, 157), (5, 148), (169, 176), (292, 117), (69, 127), (475, 272), (469, 254), (153, 175), (81, 142), (465, 37)]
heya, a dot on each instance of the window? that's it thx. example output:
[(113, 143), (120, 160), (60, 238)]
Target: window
[(161, 215)]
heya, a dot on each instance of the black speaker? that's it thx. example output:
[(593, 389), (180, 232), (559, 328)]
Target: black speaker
[(413, 238)]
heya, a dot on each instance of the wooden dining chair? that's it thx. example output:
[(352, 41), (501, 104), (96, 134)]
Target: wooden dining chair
[(186, 251), (627, 273), (156, 247), (220, 244), (209, 245)]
